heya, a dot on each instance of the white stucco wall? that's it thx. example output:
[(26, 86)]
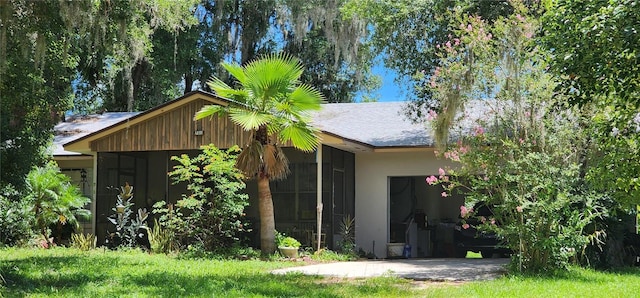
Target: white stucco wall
[(372, 204)]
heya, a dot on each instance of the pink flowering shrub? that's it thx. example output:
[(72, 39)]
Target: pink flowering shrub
[(523, 159)]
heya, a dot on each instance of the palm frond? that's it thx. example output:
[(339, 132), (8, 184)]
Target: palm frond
[(209, 111), (222, 89), (236, 71), (275, 163), (249, 119), (303, 136), (305, 97), (250, 159), (272, 76)]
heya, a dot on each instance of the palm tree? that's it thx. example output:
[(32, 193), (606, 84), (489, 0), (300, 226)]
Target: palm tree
[(270, 102), (55, 200)]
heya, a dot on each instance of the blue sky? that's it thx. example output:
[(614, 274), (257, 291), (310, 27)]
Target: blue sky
[(389, 91)]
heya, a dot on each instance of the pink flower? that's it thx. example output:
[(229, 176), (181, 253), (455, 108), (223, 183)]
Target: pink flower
[(493, 221), (433, 85), (432, 114), (463, 211), (456, 41), (520, 18), (469, 28), (465, 226), (521, 141), (444, 194), (452, 155), (479, 130), (448, 44), (441, 172), (464, 149), (431, 180), (519, 209), (483, 219)]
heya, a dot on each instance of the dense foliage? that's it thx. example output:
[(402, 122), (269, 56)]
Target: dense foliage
[(595, 47), (521, 150), (406, 33), (36, 67), (56, 202), (211, 214), (15, 226), (89, 56)]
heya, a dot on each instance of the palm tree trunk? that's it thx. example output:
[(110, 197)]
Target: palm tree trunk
[(267, 220)]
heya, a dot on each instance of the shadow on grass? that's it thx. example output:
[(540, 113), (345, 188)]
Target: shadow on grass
[(37, 273), (582, 274), (108, 275)]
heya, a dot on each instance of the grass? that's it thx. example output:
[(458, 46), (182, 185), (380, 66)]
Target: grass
[(63, 272)]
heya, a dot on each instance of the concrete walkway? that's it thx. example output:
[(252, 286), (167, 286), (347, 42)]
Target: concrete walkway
[(416, 269)]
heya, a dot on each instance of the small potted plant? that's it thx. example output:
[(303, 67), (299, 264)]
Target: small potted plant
[(288, 246)]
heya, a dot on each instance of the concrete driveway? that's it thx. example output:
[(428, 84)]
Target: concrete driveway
[(416, 269)]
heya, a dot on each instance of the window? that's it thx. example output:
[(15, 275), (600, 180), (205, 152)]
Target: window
[(294, 197)]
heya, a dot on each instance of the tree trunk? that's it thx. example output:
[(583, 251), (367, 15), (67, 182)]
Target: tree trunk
[(267, 220), (128, 85), (188, 83)]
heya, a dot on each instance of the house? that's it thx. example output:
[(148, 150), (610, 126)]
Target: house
[(372, 165)]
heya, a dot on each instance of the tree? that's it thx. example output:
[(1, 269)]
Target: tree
[(520, 148), (595, 47), (49, 47), (36, 64), (55, 200), (272, 104), (406, 33)]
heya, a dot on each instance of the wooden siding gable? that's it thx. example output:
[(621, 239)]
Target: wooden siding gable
[(174, 129)]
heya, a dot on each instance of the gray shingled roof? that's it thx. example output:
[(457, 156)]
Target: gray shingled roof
[(78, 126), (379, 124)]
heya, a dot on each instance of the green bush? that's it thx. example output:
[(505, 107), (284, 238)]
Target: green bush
[(161, 239), (289, 242), (211, 214), (525, 156), (83, 242), (16, 217), (55, 200), (127, 229)]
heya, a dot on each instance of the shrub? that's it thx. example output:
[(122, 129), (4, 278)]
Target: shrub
[(55, 200), (210, 215), (347, 232), (129, 232), (17, 217), (161, 239), (524, 156), (83, 242), (325, 255), (289, 242)]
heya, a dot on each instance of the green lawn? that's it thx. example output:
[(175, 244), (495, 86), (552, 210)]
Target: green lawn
[(72, 273)]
